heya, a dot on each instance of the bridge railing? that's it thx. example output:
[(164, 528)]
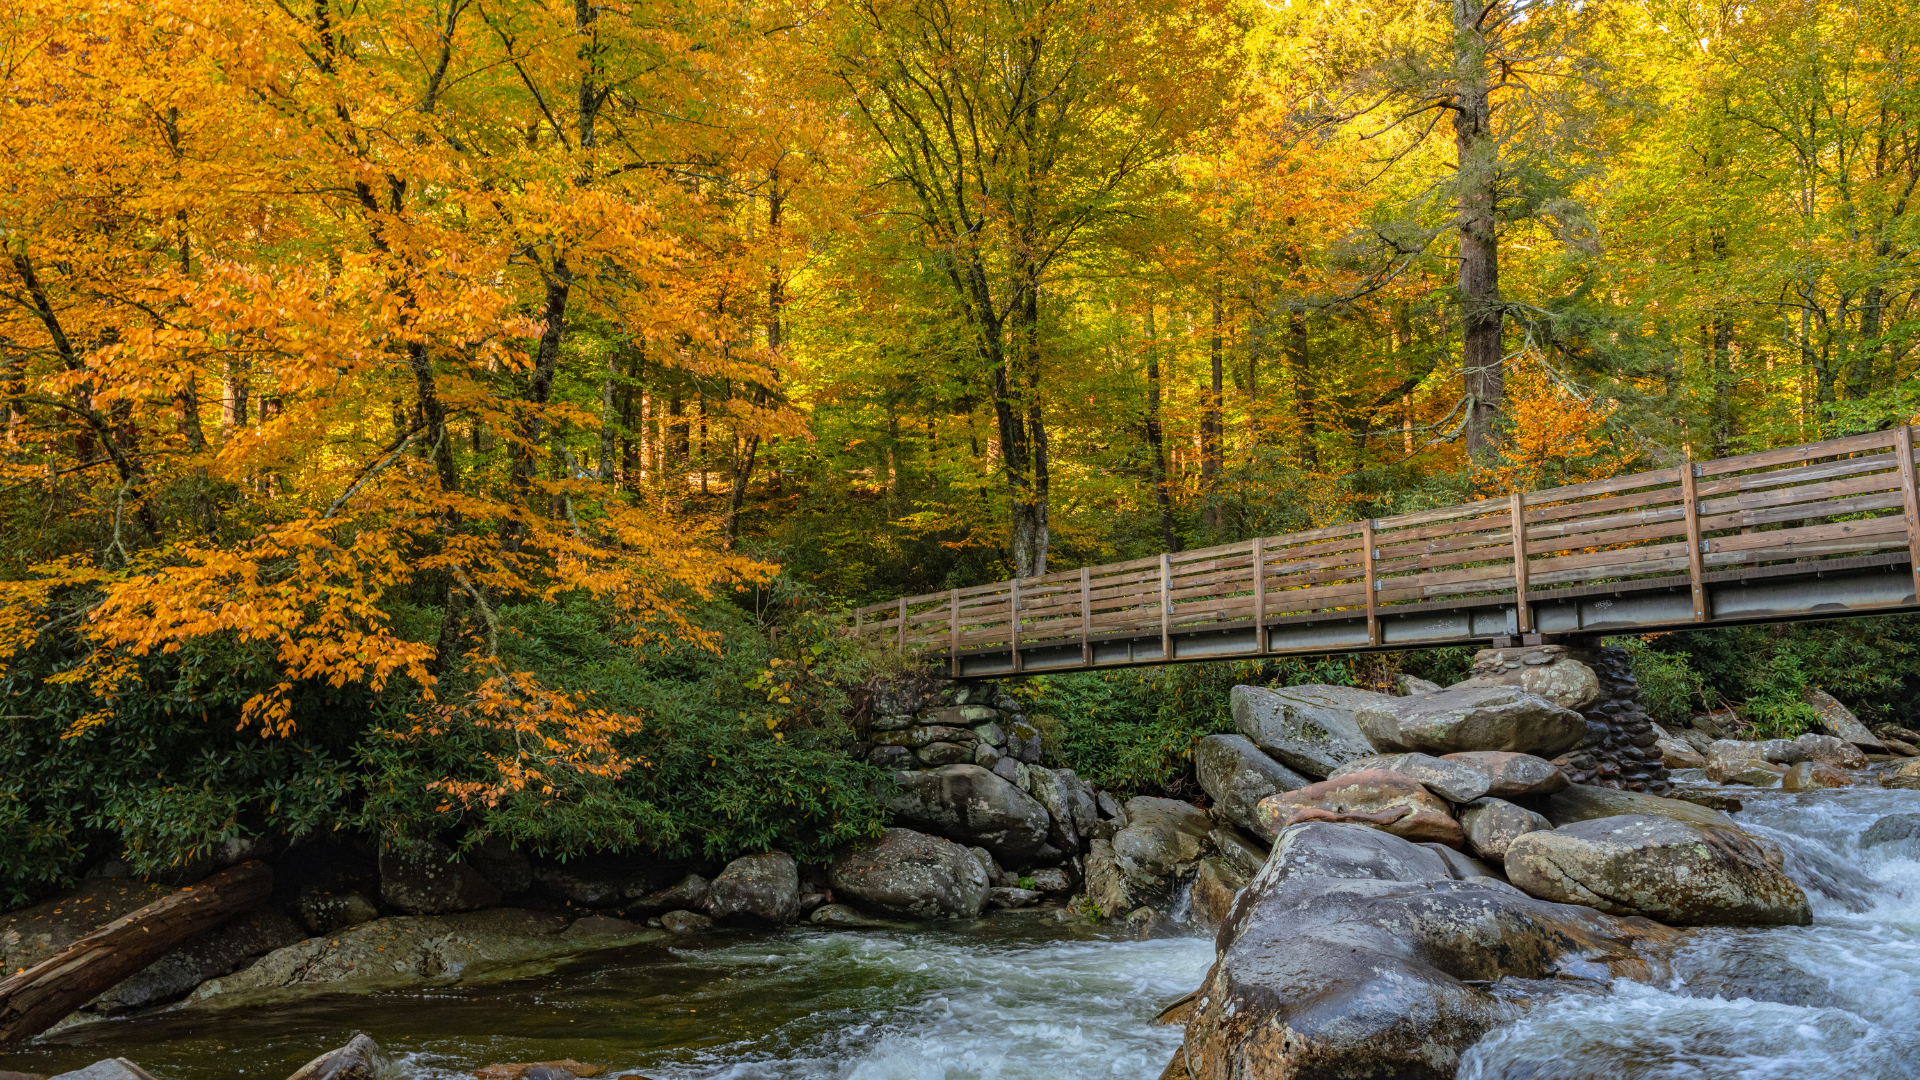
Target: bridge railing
[(1842, 497)]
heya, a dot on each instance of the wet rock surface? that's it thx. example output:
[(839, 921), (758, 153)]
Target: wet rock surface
[(1512, 775), (1452, 781), (1680, 874), (1355, 953), (1492, 825)]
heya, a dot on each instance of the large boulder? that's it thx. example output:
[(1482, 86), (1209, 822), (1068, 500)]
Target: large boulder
[(1840, 721), (1813, 776), (1354, 953), (1663, 869), (1236, 775), (1828, 750), (911, 874), (1453, 782), (1548, 671), (1051, 792), (757, 890), (1163, 837), (1583, 802), (1215, 885), (224, 949), (1492, 825), (1107, 888), (1387, 801), (360, 1059), (424, 877), (970, 805), (1512, 776), (1900, 830), (1310, 728), (1465, 718)]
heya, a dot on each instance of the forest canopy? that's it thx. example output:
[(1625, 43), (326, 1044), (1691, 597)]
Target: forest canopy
[(412, 388)]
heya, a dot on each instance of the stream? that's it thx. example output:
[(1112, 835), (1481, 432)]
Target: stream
[(1024, 995)]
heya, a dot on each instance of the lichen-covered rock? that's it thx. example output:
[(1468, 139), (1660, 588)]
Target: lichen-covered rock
[(1828, 750), (1663, 869), (1839, 720), (325, 910), (1512, 776), (911, 874), (1011, 896), (1581, 802), (1387, 801), (1107, 889), (1465, 718), (1677, 753), (686, 922), (1405, 685), (943, 753), (1553, 672), (1163, 837), (1023, 742), (1357, 954), (1492, 825), (758, 890), (1238, 848), (1308, 728), (1236, 775), (1050, 792), (1746, 771), (1452, 781), (972, 806), (424, 877)]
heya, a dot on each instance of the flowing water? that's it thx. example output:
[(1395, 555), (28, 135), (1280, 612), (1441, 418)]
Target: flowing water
[(1838, 1000), (1018, 995), (1023, 995)]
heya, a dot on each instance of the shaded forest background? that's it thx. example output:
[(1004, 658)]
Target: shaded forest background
[(468, 417)]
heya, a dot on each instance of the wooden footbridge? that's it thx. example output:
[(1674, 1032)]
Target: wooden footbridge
[(1818, 531)]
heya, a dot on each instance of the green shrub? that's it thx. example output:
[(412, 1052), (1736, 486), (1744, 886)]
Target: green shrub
[(1133, 730)]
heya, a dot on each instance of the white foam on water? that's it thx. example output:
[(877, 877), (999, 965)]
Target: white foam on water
[(953, 1009), (1838, 1000)]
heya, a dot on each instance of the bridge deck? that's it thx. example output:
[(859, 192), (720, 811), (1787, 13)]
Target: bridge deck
[(1816, 531)]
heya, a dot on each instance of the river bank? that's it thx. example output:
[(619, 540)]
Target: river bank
[(1013, 995)]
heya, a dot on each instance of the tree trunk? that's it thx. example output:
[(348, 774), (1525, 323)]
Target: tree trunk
[(1720, 419), (1479, 265), (37, 998), (1212, 428), (1156, 437), (1305, 394)]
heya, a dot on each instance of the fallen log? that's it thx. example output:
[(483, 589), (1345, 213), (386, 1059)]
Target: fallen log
[(37, 998)]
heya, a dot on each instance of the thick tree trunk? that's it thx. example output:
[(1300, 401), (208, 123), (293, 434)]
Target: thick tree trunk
[(37, 998), (1156, 436), (1479, 264)]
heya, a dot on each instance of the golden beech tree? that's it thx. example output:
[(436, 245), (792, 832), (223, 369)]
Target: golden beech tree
[(287, 300)]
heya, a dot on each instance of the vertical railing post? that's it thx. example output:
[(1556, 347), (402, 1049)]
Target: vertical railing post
[(1166, 608), (953, 633), (903, 626), (1259, 594), (1910, 495), (1523, 611), (1690, 504), (1013, 620), (1366, 560), (859, 624), (1086, 616)]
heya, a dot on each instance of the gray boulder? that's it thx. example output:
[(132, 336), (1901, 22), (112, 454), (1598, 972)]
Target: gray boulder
[(968, 804), (1236, 775), (1309, 728), (1828, 750), (687, 894), (423, 877), (1451, 781), (1466, 718), (1354, 953), (1405, 685), (1583, 802), (943, 753), (685, 922), (507, 869), (325, 910), (1080, 800), (1048, 790), (1238, 847), (360, 1059), (913, 875), (1493, 825), (842, 917), (1663, 869), (1839, 720), (1010, 897), (757, 889), (1023, 743), (1512, 775), (1548, 671), (1901, 830), (1163, 839)]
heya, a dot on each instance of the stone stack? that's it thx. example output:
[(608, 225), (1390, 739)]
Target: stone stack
[(1621, 748), (925, 727)]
